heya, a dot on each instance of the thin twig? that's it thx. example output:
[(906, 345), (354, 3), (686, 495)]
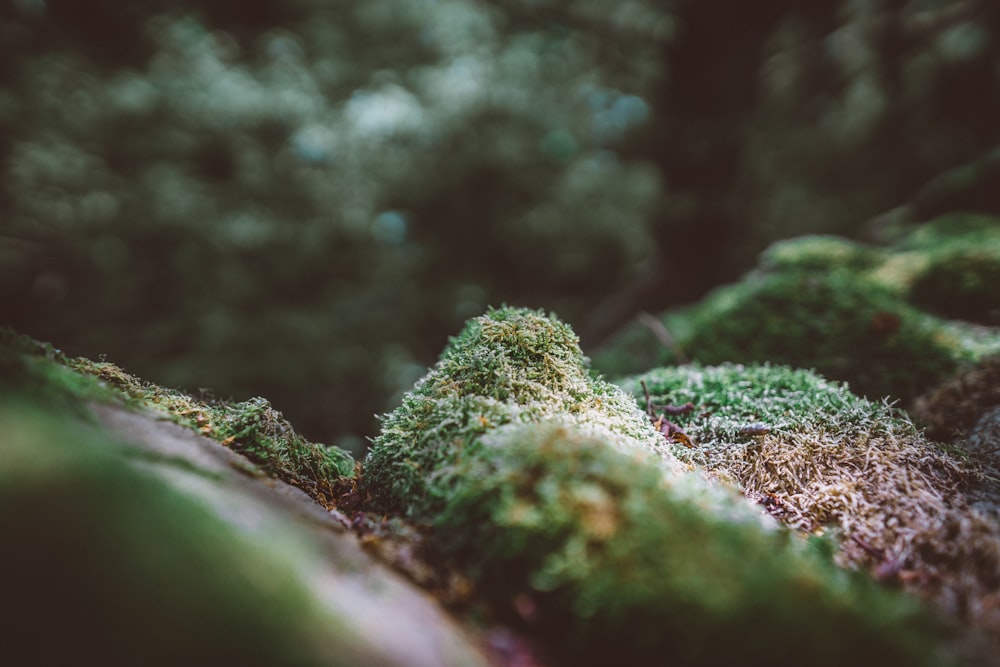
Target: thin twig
[(662, 334)]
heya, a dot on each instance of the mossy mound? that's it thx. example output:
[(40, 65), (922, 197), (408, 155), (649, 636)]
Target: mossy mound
[(592, 549), (573, 518), (869, 316), (823, 460), (510, 365), (252, 427), (962, 268)]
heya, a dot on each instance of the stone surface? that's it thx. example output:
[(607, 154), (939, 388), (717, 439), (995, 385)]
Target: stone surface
[(353, 609)]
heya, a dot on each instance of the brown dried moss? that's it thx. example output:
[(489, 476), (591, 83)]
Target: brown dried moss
[(954, 406), (912, 513), (900, 505)]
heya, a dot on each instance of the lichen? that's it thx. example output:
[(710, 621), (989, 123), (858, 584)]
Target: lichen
[(252, 427), (575, 519)]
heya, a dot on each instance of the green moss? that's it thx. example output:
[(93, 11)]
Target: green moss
[(596, 551), (868, 316), (124, 570), (960, 230), (820, 253), (573, 518), (841, 326), (252, 428), (962, 269), (39, 371), (734, 405), (510, 365), (261, 433), (822, 460)]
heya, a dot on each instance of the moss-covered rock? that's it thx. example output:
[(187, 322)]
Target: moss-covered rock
[(252, 427), (129, 539), (111, 566), (573, 516), (869, 316)]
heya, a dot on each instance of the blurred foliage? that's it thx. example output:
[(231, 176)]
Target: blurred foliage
[(299, 200), (873, 317)]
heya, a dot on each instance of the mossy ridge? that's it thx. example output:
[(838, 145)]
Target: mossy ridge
[(252, 427), (823, 460), (598, 551), (842, 327), (870, 316), (509, 365)]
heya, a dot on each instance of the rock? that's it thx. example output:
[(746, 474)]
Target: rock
[(983, 439), (130, 539)]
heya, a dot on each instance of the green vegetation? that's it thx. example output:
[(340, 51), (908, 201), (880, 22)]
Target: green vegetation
[(849, 311), (252, 427), (573, 518), (508, 366), (733, 404), (962, 268), (823, 460)]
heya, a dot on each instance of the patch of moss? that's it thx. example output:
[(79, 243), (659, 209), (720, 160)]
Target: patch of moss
[(573, 517), (252, 427), (950, 409), (869, 316), (820, 459), (962, 270), (598, 552), (734, 404), (38, 370), (820, 252), (843, 327)]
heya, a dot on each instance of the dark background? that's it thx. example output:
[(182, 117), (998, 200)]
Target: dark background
[(303, 199)]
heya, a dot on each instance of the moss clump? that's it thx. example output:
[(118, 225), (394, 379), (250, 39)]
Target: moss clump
[(864, 315), (823, 460), (510, 365), (595, 550), (961, 271), (252, 428), (820, 252), (573, 518), (734, 404), (843, 327)]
